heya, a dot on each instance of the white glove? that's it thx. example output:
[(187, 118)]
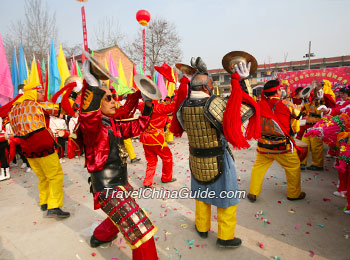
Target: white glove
[(324, 109), (242, 69), (78, 87), (319, 94), (90, 79), (343, 110)]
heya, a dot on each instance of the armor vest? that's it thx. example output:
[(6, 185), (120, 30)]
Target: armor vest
[(115, 171), (206, 151)]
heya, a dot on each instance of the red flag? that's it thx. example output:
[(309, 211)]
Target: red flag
[(39, 72), (133, 75)]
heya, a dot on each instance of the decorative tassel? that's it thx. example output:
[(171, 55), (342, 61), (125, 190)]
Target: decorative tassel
[(232, 124), (130, 106), (65, 104), (182, 92)]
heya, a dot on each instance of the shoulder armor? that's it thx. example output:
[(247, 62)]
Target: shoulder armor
[(214, 110)]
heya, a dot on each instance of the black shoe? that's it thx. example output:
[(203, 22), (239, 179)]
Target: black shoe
[(233, 243), (57, 212), (94, 242), (301, 196), (43, 207), (174, 179), (201, 234), (314, 168), (147, 187), (302, 167), (251, 197), (135, 160)]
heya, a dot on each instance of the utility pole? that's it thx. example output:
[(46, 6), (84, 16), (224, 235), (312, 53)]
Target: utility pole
[(309, 53)]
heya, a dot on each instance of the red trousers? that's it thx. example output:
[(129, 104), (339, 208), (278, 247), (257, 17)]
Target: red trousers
[(151, 153), (106, 231), (344, 184)]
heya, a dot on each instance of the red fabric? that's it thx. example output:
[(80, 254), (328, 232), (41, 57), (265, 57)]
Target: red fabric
[(147, 251), (329, 101), (182, 93), (297, 101), (151, 153), (39, 72), (12, 149), (65, 104), (133, 75), (96, 140), (165, 70), (2, 137), (154, 133), (130, 106), (73, 148), (272, 89), (5, 109), (336, 111), (232, 124), (106, 231), (348, 187)]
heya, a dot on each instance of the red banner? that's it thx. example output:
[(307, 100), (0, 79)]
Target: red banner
[(302, 78), (86, 48)]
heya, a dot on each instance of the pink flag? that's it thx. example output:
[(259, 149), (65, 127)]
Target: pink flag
[(72, 67), (6, 87), (161, 86), (112, 68)]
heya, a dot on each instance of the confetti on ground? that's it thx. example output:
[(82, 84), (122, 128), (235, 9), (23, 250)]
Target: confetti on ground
[(77, 256), (312, 253), (326, 199), (190, 243), (309, 224), (291, 211), (261, 245), (277, 258), (320, 225), (178, 253), (93, 254), (184, 225), (297, 226)]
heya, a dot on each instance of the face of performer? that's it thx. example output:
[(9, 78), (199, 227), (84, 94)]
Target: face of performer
[(108, 107), (279, 92), (202, 79), (40, 95)]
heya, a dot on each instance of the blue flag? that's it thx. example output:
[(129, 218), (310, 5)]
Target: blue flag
[(14, 73), (54, 74), (22, 68)]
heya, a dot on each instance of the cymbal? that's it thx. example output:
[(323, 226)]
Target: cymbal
[(147, 87), (235, 57), (99, 69), (186, 69)]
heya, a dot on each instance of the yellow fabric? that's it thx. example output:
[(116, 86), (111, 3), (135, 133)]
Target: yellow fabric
[(49, 172), (34, 75), (295, 124), (170, 85), (169, 135), (106, 66), (130, 148), (327, 88), (315, 145), (28, 94), (291, 164), (226, 220), (121, 73), (62, 67)]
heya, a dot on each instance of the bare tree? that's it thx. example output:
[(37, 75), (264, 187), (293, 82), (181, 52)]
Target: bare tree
[(108, 33), (71, 51), (162, 45), (35, 31)]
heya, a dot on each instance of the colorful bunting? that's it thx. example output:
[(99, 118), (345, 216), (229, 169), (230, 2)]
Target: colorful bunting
[(6, 87), (14, 74), (62, 67)]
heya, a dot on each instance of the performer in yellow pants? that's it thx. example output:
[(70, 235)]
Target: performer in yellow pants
[(316, 146), (226, 220), (130, 150), (291, 164), (49, 172)]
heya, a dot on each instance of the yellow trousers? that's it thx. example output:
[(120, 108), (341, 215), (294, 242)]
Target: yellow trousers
[(291, 164), (129, 148), (169, 135), (226, 220), (49, 172), (315, 145)]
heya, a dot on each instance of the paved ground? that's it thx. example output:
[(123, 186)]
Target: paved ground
[(291, 230)]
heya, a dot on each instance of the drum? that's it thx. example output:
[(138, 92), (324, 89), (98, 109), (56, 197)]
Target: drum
[(63, 133), (302, 154)]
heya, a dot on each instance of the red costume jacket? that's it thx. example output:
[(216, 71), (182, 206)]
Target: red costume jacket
[(154, 133)]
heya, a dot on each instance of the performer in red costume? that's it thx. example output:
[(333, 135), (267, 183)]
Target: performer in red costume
[(106, 157), (154, 143)]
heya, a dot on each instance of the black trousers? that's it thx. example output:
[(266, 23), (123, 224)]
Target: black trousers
[(3, 159)]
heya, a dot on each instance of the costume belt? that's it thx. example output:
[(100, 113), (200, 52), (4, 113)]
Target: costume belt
[(207, 152)]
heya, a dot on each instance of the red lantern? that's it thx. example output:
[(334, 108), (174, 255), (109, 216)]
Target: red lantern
[(143, 17)]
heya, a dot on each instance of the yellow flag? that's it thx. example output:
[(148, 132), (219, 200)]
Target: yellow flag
[(34, 75), (131, 82), (121, 73), (62, 67), (171, 86), (106, 65)]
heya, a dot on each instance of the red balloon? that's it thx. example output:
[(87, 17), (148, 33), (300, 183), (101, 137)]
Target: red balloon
[(143, 17)]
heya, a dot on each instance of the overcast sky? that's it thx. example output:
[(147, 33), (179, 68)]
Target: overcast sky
[(268, 29)]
